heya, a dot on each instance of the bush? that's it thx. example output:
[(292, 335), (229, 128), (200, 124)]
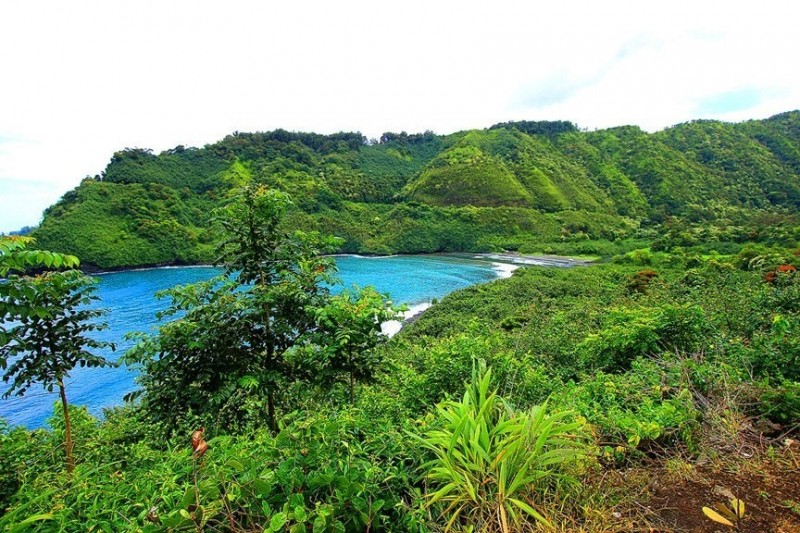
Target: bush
[(782, 403), (640, 282), (322, 471), (632, 333), (492, 463), (648, 404)]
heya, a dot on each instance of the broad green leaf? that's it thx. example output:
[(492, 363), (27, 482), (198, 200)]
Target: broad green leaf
[(277, 521)]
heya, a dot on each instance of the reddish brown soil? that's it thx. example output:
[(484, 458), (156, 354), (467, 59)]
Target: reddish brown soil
[(770, 489)]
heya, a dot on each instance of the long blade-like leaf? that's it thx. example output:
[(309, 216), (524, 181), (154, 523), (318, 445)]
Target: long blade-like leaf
[(531, 511), (30, 520), (716, 517)]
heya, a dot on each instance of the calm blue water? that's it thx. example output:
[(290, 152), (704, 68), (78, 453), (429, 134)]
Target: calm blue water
[(128, 296)]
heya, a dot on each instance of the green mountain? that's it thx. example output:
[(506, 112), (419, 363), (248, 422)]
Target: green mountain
[(751, 174), (507, 167), (514, 185)]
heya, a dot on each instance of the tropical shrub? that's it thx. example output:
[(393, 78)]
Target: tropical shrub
[(650, 403), (631, 333), (641, 281), (781, 402), (492, 464)]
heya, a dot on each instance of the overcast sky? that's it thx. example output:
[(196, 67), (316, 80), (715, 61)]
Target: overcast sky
[(83, 79)]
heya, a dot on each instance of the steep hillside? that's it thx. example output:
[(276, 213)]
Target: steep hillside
[(751, 174), (507, 167), (116, 225), (627, 199), (669, 180), (467, 174), (781, 134), (516, 185)]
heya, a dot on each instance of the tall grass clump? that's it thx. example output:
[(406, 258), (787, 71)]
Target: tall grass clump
[(492, 465)]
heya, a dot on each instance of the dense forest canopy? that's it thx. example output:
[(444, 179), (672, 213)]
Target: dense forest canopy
[(527, 185)]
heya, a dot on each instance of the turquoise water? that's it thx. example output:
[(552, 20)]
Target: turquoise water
[(128, 296)]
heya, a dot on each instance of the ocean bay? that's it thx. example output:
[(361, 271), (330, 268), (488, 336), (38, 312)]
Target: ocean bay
[(129, 298)]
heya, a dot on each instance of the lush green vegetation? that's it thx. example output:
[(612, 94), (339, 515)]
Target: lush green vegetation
[(498, 410), (48, 324), (270, 320), (530, 186), (529, 403)]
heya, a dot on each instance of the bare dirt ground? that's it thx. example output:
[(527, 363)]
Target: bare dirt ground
[(768, 484)]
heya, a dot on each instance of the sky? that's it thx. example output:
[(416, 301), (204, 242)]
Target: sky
[(80, 80)]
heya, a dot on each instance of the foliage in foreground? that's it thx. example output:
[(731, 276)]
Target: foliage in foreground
[(492, 463), (45, 323), (320, 473), (690, 362)]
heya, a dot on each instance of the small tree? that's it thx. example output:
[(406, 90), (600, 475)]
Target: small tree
[(44, 322), (194, 358), (235, 332), (283, 277), (351, 326)]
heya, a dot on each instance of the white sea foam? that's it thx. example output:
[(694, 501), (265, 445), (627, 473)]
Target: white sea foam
[(533, 260), (357, 256), (392, 327), (504, 270), (144, 269)]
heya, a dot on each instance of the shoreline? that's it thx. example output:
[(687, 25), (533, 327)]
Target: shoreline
[(504, 264), (513, 258), (393, 327)]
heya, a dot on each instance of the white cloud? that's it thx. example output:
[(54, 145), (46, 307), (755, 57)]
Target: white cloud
[(83, 79)]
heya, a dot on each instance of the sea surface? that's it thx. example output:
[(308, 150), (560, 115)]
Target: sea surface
[(131, 304)]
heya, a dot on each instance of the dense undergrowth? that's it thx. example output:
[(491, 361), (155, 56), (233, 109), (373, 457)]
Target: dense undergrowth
[(650, 355)]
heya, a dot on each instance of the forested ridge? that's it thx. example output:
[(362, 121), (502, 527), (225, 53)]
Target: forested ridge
[(527, 186)]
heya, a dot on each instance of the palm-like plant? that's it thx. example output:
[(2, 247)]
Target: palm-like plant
[(490, 460)]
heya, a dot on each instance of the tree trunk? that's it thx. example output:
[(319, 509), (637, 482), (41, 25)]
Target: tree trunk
[(67, 428), (352, 378), (271, 411)]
